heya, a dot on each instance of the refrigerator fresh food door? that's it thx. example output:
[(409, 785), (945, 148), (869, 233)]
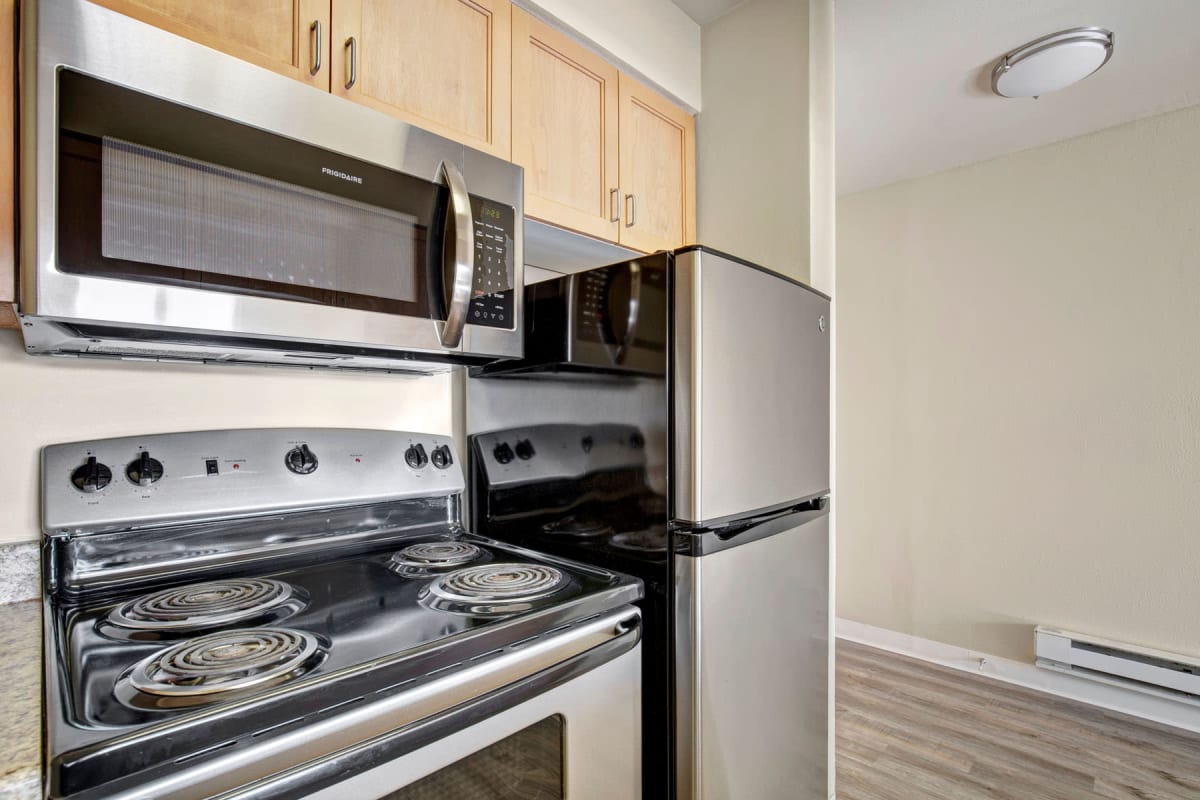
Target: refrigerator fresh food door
[(750, 389), (751, 652)]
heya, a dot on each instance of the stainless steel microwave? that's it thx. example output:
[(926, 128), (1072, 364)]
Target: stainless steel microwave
[(177, 203)]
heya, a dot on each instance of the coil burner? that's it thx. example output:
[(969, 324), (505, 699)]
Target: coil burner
[(576, 526), (424, 557), (215, 666), (490, 589), (203, 605)]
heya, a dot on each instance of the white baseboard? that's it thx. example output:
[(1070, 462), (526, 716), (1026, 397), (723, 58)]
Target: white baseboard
[(1113, 698)]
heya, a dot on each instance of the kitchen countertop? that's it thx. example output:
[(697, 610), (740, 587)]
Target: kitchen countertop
[(21, 700)]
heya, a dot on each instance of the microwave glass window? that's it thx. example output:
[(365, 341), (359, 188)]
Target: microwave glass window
[(163, 209), (525, 766), (157, 192)]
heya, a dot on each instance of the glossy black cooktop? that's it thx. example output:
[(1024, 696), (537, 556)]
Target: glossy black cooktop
[(363, 609)]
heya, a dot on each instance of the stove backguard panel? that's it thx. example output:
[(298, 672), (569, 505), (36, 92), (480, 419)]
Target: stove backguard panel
[(102, 562)]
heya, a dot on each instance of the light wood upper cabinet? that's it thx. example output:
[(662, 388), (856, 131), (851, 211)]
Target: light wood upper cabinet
[(564, 124), (281, 35), (442, 65), (658, 178)]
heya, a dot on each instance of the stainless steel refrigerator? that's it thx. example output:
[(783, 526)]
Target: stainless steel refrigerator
[(670, 419)]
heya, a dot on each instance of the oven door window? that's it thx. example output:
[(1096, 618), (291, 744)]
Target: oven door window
[(153, 191), (527, 765)]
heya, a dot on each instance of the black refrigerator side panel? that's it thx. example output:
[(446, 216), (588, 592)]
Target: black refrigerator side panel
[(568, 454)]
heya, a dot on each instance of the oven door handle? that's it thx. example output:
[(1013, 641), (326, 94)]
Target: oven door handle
[(459, 261)]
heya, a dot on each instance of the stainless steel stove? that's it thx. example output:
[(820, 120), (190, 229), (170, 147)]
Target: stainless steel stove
[(298, 613)]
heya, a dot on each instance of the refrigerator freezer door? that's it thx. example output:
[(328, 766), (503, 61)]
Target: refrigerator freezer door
[(751, 651), (750, 378)]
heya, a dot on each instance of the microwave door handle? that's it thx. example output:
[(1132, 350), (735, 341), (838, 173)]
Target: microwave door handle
[(635, 303), (460, 269)]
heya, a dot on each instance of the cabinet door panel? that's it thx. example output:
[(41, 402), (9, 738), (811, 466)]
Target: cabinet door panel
[(276, 34), (564, 129), (658, 189), (440, 64)]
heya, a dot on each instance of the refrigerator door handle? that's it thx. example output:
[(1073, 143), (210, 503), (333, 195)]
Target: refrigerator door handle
[(705, 542), (795, 515)]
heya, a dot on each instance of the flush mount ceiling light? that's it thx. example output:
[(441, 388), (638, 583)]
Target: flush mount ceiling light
[(1052, 62)]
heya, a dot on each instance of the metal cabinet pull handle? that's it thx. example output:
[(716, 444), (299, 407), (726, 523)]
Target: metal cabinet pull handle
[(352, 46), (315, 39), (614, 205), (631, 218), (459, 267)]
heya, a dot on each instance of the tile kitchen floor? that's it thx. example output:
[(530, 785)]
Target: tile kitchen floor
[(908, 730)]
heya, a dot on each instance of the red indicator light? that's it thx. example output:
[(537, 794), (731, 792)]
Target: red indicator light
[(358, 461), (237, 466)]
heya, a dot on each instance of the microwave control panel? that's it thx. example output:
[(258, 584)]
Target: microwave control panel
[(492, 292)]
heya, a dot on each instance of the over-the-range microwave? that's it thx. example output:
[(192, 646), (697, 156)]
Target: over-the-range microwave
[(177, 203)]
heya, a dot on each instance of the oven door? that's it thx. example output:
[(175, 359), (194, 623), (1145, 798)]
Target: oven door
[(580, 740), (167, 187), (558, 716)]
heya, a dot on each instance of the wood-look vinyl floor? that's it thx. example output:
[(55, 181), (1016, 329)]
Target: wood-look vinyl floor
[(909, 730)]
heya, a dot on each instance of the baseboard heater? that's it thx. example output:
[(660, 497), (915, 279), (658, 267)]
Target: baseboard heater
[(1142, 669)]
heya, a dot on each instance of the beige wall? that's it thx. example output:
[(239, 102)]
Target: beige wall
[(1019, 395), (48, 400), (752, 185)]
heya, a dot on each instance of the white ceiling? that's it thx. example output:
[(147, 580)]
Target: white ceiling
[(913, 79), (705, 11)]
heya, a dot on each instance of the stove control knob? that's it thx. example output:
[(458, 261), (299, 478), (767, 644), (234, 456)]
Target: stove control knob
[(301, 460), (503, 453), (587, 442), (92, 476), (442, 457), (415, 456), (525, 450), (144, 470)]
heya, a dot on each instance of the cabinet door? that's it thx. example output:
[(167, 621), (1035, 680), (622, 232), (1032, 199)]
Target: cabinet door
[(658, 170), (8, 278), (564, 124), (442, 65), (290, 37)]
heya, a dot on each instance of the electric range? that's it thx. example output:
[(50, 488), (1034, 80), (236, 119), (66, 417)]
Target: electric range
[(264, 613)]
